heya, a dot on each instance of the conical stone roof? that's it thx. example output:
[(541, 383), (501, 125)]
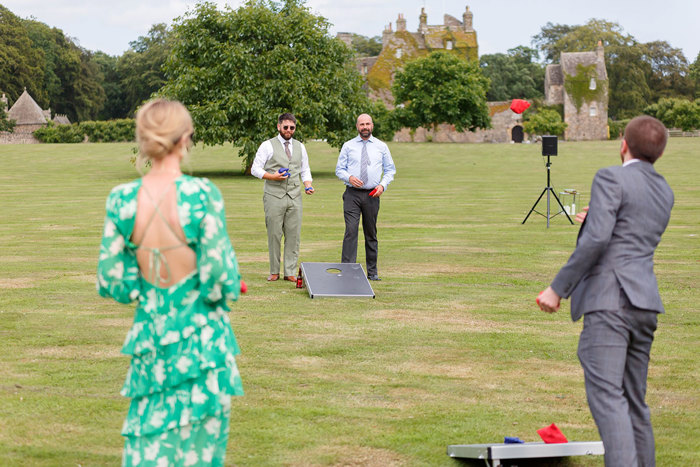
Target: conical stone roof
[(26, 111)]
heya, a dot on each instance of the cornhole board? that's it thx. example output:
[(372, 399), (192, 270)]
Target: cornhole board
[(336, 280), (498, 452)]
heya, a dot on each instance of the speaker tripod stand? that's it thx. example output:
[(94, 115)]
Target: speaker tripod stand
[(548, 189)]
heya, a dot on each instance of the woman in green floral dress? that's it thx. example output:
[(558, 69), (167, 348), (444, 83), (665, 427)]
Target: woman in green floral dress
[(165, 246)]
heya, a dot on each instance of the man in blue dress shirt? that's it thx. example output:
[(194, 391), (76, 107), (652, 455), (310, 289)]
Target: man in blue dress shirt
[(366, 167)]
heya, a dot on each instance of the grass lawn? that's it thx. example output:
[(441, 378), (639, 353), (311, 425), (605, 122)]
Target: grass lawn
[(453, 350)]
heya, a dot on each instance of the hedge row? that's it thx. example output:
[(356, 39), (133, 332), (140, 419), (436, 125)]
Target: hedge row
[(109, 131)]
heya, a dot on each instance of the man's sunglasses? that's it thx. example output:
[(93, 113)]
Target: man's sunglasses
[(289, 127)]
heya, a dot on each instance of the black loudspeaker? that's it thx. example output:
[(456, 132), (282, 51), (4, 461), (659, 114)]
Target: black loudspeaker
[(549, 145)]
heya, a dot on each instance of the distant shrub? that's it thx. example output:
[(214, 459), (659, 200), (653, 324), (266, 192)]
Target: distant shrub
[(59, 134), (110, 131), (544, 122)]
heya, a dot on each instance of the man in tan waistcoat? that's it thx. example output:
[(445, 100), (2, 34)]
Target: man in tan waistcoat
[(282, 161)]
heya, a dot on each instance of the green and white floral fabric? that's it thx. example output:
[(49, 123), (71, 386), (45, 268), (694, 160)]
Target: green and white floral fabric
[(183, 369)]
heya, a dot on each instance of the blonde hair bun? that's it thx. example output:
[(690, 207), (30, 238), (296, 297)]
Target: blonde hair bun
[(160, 124)]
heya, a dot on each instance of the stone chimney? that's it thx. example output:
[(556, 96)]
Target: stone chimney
[(600, 52), (423, 21), (467, 19), (400, 23), (386, 35)]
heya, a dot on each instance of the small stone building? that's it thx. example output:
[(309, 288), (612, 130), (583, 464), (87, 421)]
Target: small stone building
[(580, 83), (28, 117)]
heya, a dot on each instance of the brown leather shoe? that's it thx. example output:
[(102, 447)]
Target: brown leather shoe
[(273, 277), (290, 278)]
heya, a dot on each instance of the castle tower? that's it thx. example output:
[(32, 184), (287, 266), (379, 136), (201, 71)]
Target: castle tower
[(467, 19)]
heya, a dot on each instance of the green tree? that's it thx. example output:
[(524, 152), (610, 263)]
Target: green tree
[(544, 122), (669, 73), (442, 88), (695, 75), (237, 70), (71, 81), (20, 62), (115, 105), (676, 113), (513, 75), (366, 46), (140, 69)]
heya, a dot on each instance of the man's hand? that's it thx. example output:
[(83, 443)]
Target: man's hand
[(581, 216), (308, 189), (548, 300), (276, 176), (378, 190), (356, 182)]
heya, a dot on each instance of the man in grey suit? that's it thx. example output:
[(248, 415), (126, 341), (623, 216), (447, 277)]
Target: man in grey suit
[(610, 278), (281, 161)]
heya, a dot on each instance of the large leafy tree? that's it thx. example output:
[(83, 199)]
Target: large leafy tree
[(513, 75), (237, 70), (71, 80), (20, 61), (140, 69), (442, 88)]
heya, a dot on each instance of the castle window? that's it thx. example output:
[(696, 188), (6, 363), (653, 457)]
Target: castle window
[(448, 45), (399, 53), (592, 85), (364, 69), (593, 110)]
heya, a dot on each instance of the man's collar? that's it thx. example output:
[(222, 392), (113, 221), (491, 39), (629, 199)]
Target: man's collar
[(631, 161), (282, 140)]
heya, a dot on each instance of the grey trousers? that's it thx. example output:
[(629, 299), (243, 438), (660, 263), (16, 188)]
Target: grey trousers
[(357, 203), (614, 352), (283, 218)]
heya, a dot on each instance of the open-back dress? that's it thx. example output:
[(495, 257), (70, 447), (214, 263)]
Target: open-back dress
[(183, 370)]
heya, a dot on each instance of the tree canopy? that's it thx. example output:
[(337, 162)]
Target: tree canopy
[(442, 88), (237, 70), (515, 75)]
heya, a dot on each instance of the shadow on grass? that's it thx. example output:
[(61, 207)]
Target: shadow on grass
[(237, 173)]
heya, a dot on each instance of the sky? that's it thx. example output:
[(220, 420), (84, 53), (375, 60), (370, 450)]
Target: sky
[(109, 26)]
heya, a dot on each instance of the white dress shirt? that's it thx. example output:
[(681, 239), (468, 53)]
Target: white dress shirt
[(265, 153)]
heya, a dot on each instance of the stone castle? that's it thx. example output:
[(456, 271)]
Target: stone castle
[(562, 84)]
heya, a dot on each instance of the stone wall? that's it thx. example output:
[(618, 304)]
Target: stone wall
[(22, 134), (503, 120)]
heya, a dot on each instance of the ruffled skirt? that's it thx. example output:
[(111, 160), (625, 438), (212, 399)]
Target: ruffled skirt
[(181, 378)]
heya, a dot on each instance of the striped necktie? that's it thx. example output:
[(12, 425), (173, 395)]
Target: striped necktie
[(364, 162), (286, 149)]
